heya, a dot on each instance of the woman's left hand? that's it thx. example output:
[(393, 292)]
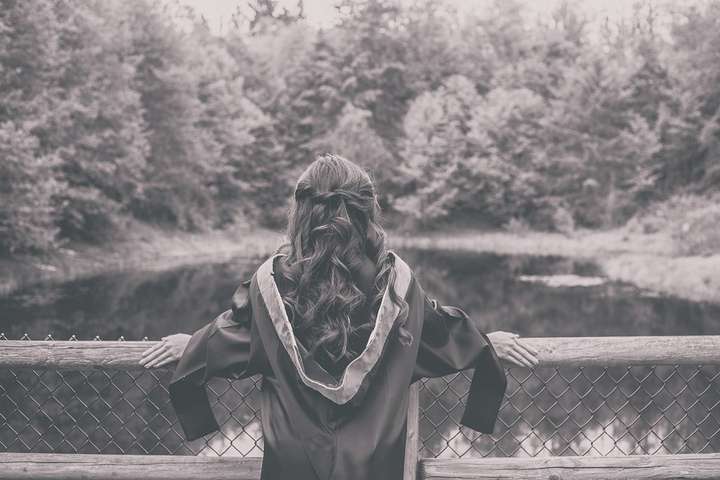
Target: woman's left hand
[(169, 349), (510, 348)]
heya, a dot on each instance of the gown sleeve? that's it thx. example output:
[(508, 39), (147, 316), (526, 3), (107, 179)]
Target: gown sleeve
[(451, 342), (227, 347)]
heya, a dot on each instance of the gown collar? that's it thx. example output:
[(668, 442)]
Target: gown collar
[(352, 378)]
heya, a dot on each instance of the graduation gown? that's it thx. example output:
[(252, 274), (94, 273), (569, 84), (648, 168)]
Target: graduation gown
[(317, 427)]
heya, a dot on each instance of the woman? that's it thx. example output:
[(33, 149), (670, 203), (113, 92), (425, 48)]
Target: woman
[(339, 327)]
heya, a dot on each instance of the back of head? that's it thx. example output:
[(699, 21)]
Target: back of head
[(332, 229)]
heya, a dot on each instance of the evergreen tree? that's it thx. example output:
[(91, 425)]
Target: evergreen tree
[(98, 128), (435, 146), (311, 103), (372, 55), (183, 160), (28, 90)]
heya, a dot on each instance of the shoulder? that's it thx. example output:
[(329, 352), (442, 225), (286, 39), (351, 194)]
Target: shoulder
[(240, 297), (241, 302), (240, 311), (396, 259), (261, 279), (407, 277), (403, 271)]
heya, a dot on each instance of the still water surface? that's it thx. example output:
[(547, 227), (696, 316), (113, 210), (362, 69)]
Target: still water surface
[(547, 411), (534, 296)]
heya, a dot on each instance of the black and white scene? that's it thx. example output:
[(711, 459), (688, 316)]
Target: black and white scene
[(359, 239)]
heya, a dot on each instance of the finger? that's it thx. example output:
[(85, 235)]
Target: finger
[(530, 358), (529, 348), (152, 349), (158, 352), (159, 359), (155, 346), (528, 351), (511, 358), (523, 349), (518, 359), (155, 349)]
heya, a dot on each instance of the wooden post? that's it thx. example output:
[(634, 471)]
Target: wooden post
[(413, 431)]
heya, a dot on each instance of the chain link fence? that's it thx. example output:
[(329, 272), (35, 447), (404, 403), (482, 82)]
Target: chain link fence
[(547, 411), (580, 411)]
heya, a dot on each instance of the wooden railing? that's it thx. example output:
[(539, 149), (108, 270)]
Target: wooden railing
[(585, 351), (553, 351)]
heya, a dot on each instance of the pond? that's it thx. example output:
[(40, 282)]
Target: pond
[(534, 296), (547, 411)]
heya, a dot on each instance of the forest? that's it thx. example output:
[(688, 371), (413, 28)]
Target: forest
[(136, 110)]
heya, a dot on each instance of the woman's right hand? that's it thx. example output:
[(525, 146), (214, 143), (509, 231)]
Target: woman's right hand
[(169, 349), (510, 348)]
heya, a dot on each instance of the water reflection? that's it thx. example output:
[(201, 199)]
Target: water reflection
[(489, 287), (130, 304)]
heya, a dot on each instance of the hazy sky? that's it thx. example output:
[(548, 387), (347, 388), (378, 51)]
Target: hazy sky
[(321, 12)]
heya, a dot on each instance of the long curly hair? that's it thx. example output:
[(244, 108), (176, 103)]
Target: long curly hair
[(333, 223)]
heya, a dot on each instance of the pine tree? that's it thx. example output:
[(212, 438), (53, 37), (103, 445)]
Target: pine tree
[(28, 183), (98, 128), (311, 104), (183, 158)]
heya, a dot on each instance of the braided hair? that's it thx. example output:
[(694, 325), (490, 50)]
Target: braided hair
[(332, 226)]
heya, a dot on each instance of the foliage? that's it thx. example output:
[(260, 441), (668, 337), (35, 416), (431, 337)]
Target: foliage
[(691, 221), (97, 129), (699, 234), (26, 189), (434, 149), (357, 140), (488, 117)]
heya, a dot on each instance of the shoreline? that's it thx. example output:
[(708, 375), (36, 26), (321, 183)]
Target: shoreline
[(647, 261), (146, 247)]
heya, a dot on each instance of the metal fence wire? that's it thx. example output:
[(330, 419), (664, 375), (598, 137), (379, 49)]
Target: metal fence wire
[(547, 411)]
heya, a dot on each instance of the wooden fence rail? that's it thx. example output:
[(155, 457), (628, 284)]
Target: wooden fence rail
[(60, 466), (554, 352), (43, 466), (636, 467)]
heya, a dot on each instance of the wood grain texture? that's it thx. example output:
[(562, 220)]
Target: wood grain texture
[(554, 351), (637, 467), (412, 434), (73, 355), (621, 351), (46, 466)]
